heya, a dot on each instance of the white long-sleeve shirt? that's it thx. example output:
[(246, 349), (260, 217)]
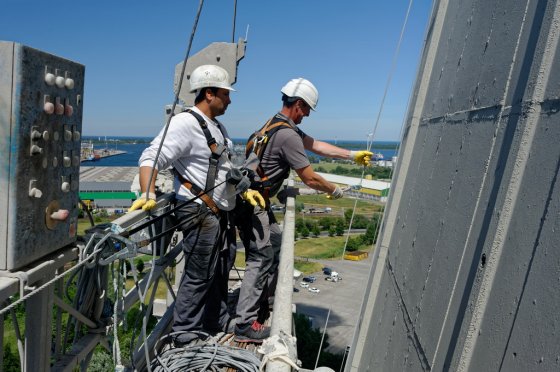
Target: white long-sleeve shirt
[(186, 150)]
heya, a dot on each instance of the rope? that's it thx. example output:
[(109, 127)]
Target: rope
[(390, 76), (201, 3), (372, 135), (234, 18), (207, 357)]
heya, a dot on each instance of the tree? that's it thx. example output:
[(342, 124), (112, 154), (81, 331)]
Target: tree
[(339, 227), (140, 266), (327, 222), (353, 244), (308, 343), (371, 233), (316, 230), (340, 170), (332, 231), (304, 232), (348, 215)]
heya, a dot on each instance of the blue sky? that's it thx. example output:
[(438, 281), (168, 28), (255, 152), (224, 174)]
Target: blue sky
[(130, 49)]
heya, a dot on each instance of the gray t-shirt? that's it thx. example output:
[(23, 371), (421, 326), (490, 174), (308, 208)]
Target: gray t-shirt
[(284, 151)]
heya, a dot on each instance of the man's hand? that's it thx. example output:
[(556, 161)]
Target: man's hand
[(361, 157), (144, 203), (336, 194), (254, 198)]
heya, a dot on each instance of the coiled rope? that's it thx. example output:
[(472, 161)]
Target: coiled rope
[(208, 357)]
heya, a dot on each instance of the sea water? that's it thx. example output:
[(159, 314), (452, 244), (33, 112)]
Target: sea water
[(134, 150)]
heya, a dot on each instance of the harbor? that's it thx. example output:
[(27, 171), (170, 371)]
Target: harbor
[(89, 153)]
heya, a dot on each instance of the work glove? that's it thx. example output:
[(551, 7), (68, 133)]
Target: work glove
[(254, 198), (284, 194), (361, 157), (236, 177), (336, 194), (142, 202)]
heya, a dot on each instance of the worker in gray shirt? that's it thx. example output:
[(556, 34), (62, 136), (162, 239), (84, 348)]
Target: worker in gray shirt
[(273, 151)]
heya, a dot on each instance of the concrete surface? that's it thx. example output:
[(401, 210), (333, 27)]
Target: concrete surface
[(467, 273), (343, 297)]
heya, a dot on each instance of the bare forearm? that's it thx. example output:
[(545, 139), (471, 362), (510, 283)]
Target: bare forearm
[(325, 149), (144, 179), (314, 180)]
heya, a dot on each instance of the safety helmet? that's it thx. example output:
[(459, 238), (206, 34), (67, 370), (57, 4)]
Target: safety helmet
[(209, 76), (302, 88)]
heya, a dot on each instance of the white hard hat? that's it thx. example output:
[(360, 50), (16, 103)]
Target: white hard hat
[(209, 76), (303, 89)]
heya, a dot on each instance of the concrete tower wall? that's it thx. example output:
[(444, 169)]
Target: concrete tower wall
[(466, 275)]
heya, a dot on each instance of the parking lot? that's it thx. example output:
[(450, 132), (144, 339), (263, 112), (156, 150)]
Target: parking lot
[(343, 297)]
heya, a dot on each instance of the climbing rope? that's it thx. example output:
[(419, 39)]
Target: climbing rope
[(372, 134), (176, 100), (207, 357)]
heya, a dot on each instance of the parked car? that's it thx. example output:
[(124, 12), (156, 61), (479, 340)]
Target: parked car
[(309, 279), (313, 289), (304, 285), (296, 289), (334, 277), (327, 270)]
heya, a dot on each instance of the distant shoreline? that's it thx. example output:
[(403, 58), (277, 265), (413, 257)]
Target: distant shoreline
[(111, 141)]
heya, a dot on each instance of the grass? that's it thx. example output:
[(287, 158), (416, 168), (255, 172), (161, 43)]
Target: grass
[(329, 166), (323, 247), (240, 260), (307, 267), (84, 224)]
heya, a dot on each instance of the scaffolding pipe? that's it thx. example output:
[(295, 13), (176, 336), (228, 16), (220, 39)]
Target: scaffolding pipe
[(282, 311)]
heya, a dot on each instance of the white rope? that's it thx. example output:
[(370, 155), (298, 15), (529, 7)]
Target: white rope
[(372, 134), (390, 76)]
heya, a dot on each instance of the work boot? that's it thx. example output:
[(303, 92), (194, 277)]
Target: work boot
[(254, 333)]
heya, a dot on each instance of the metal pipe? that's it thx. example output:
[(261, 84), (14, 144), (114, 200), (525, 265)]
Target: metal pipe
[(282, 311)]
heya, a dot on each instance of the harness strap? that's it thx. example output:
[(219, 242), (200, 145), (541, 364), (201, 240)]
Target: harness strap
[(195, 190), (216, 153), (257, 144)]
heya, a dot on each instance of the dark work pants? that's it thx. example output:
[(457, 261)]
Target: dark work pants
[(261, 237), (201, 303)]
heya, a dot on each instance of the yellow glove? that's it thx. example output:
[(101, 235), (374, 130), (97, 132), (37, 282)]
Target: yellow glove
[(361, 157), (142, 202), (254, 198)]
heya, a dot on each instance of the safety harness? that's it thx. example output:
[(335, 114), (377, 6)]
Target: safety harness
[(216, 152), (254, 152)]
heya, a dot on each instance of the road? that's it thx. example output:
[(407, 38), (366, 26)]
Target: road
[(344, 299)]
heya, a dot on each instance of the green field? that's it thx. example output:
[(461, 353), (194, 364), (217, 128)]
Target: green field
[(329, 166)]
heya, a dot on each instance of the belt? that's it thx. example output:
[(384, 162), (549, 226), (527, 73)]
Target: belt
[(195, 190)]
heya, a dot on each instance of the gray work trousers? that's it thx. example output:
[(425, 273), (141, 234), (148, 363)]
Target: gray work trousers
[(201, 303), (262, 238)]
